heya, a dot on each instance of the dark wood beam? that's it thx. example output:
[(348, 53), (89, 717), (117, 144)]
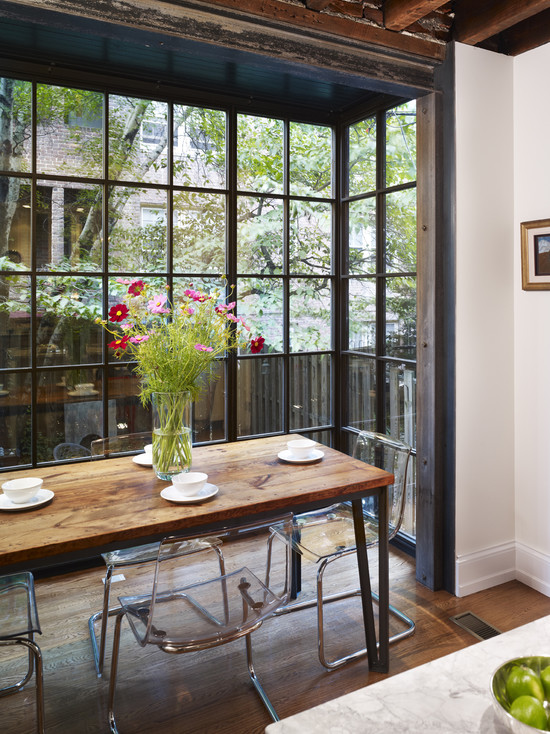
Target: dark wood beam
[(317, 4), (527, 35), (278, 16), (477, 20), (399, 14)]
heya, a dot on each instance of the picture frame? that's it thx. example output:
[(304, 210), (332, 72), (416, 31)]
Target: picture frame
[(535, 255)]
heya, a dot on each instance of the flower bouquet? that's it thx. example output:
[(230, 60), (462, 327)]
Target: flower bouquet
[(175, 347)]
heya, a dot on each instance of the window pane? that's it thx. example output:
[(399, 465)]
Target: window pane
[(126, 413), (401, 144), (66, 309), (259, 154), (199, 147), (199, 232), (15, 122), (206, 285), (401, 317), (310, 237), (138, 139), (137, 230), (401, 231), (310, 391), (209, 409), (362, 157), (259, 396), (362, 236), (260, 304), (362, 315), (15, 419), (68, 415), (310, 315), (68, 226), (15, 223), (401, 402), (310, 171), (15, 322), (361, 398), (259, 235), (69, 138)]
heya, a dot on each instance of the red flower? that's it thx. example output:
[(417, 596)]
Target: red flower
[(120, 344), (136, 288), (257, 344), (118, 312)]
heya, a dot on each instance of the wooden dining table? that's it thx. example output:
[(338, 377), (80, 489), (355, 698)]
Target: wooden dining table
[(104, 504)]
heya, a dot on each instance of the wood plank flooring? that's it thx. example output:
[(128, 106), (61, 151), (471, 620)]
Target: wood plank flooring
[(209, 692)]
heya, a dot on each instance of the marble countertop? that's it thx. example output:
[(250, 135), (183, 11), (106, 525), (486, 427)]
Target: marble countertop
[(450, 694)]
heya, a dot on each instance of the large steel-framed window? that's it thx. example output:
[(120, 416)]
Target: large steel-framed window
[(379, 279), (99, 187)]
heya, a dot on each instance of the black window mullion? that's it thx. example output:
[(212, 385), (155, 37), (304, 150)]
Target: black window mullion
[(380, 272), (231, 407)]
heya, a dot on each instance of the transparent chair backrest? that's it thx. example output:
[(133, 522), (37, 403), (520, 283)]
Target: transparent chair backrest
[(18, 613), (391, 455), (204, 571), (123, 444)]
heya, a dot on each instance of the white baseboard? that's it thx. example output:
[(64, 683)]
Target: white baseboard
[(493, 566), (533, 568), (483, 569)]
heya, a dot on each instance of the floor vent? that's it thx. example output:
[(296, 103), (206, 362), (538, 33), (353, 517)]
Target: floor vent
[(474, 625)]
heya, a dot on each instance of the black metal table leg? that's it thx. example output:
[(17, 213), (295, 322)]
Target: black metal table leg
[(378, 656)]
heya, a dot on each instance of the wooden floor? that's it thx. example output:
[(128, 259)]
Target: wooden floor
[(209, 692)]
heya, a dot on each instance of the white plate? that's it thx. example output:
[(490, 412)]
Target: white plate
[(143, 459), (171, 493), (3, 393), (43, 496), (78, 394), (315, 455)]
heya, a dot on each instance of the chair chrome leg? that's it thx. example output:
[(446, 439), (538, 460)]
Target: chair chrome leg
[(99, 653), (35, 663), (114, 665), (256, 683)]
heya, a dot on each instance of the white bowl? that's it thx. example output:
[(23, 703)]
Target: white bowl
[(301, 448), (189, 483), (22, 490)]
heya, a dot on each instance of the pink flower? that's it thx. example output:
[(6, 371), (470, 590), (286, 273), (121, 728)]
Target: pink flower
[(139, 338), (224, 307), (123, 281), (245, 325), (188, 310), (202, 348), (232, 317), (118, 312), (136, 288), (156, 304), (256, 344)]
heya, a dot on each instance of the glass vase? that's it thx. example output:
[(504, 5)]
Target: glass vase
[(171, 433)]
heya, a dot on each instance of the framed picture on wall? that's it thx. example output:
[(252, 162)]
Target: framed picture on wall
[(535, 255)]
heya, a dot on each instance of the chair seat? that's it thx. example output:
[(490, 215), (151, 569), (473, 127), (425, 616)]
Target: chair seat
[(329, 532), (202, 615)]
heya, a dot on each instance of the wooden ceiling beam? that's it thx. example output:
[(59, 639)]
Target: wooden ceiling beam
[(317, 4), (528, 34), (477, 20), (400, 14)]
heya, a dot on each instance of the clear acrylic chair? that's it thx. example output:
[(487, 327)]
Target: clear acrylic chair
[(325, 535), (206, 592), (129, 443), (18, 625)]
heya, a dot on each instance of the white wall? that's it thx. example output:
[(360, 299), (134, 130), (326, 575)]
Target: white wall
[(485, 277), (532, 324)]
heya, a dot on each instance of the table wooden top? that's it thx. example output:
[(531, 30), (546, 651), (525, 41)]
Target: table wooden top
[(99, 504)]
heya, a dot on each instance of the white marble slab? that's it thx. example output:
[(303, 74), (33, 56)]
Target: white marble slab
[(448, 695)]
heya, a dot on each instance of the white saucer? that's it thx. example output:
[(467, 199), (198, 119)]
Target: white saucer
[(143, 459), (3, 393), (78, 394), (315, 455), (171, 493), (43, 496)]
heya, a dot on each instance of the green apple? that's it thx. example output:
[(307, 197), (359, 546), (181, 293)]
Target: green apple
[(530, 711), (522, 681), (545, 679)]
